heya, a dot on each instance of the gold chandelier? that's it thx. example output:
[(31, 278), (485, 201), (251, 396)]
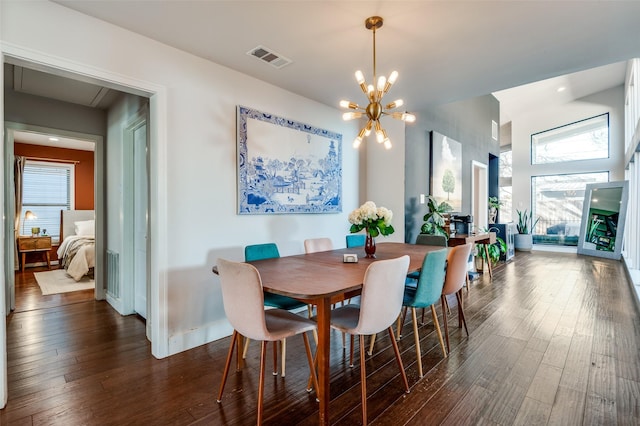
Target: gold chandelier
[(375, 110)]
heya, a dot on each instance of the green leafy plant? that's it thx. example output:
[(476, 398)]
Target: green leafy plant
[(495, 249), (434, 220), (525, 222), (495, 203)]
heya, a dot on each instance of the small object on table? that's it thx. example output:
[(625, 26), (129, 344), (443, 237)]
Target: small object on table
[(350, 258), (28, 244)]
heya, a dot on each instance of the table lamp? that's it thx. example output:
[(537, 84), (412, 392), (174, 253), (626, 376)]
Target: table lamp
[(28, 215)]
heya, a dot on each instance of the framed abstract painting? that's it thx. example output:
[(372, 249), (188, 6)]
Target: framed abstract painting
[(286, 167), (446, 170)]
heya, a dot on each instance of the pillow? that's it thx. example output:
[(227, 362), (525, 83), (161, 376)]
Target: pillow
[(85, 228)]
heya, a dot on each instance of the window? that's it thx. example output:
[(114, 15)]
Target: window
[(47, 189), (557, 201), (505, 195), (583, 140)]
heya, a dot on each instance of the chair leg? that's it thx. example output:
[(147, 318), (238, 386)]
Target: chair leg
[(422, 320), (437, 326), (312, 369), (246, 347), (310, 381), (351, 351), (397, 352), (275, 358), (363, 381), (399, 327), (227, 365), (263, 359), (239, 351), (373, 340), (344, 340), (417, 339), (283, 350), (461, 312), (444, 320)]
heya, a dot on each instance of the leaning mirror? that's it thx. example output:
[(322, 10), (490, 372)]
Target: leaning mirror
[(603, 217)]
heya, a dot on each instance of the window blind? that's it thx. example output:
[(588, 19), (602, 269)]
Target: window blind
[(47, 189)]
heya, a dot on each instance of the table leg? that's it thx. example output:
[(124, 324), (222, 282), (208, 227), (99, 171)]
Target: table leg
[(486, 252), (49, 260), (24, 258), (323, 350)]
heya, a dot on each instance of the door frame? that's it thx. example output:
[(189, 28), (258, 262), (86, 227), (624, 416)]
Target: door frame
[(158, 255), (9, 208), (480, 194)]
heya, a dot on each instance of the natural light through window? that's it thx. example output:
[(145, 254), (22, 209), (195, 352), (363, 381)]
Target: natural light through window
[(583, 140), (505, 195), (557, 201)]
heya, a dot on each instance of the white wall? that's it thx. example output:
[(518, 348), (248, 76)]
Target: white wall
[(523, 127), (200, 128)]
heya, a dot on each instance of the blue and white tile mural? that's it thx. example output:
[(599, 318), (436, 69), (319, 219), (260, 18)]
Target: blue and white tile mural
[(287, 167)]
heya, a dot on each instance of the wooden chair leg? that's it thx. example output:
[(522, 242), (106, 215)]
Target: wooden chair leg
[(398, 359), (422, 320), (227, 365), (437, 326), (461, 312), (283, 354), (351, 351), (417, 339), (239, 352), (312, 369), (363, 381), (310, 381), (263, 360), (246, 347), (373, 340), (444, 320), (275, 358), (344, 340), (399, 327)]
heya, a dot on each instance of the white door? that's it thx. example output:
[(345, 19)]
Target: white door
[(140, 214)]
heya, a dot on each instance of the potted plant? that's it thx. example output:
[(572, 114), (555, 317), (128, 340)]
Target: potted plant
[(494, 206), (495, 251), (523, 240), (434, 220)]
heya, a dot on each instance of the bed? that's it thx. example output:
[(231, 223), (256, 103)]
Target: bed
[(77, 251)]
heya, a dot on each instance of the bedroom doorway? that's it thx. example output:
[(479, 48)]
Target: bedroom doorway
[(46, 148)]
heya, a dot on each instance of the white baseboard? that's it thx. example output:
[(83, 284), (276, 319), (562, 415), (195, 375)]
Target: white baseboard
[(115, 304), (202, 335)]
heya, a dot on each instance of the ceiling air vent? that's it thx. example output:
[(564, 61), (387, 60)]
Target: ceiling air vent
[(267, 55)]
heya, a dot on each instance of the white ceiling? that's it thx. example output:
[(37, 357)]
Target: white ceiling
[(444, 50), (47, 139)]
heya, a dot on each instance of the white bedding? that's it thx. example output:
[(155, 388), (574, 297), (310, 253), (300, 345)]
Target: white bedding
[(77, 255)]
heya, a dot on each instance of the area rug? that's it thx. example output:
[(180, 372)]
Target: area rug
[(57, 281)]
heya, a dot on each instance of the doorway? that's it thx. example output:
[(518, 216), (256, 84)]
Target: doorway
[(479, 195)]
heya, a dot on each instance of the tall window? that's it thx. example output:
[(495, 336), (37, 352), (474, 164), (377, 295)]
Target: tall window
[(506, 174), (47, 189), (557, 201), (583, 140)]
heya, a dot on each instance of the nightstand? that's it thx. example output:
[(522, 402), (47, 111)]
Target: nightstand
[(30, 244)]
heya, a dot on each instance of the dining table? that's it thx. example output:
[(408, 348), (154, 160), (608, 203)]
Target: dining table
[(322, 279)]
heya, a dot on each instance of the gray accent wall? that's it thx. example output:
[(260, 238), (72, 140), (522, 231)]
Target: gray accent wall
[(468, 122)]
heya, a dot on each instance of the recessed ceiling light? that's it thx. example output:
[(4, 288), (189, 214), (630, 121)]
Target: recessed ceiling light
[(561, 89), (54, 139)]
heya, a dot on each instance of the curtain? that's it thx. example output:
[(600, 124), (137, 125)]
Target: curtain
[(18, 170)]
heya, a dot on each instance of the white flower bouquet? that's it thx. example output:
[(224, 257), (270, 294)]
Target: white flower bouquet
[(376, 220)]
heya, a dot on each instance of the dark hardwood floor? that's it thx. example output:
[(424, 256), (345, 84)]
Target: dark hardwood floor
[(554, 339)]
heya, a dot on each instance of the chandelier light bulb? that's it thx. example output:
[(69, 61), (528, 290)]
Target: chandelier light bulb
[(382, 81), (393, 77), (387, 143), (395, 104), (356, 142), (351, 115), (367, 129), (344, 104), (359, 77), (408, 117)]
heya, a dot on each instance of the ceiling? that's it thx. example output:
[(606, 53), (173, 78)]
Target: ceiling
[(443, 50)]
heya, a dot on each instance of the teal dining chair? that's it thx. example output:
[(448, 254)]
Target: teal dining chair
[(425, 295), (355, 240), (428, 240), (270, 251)]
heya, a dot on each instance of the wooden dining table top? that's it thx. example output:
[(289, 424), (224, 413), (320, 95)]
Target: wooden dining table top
[(324, 274)]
